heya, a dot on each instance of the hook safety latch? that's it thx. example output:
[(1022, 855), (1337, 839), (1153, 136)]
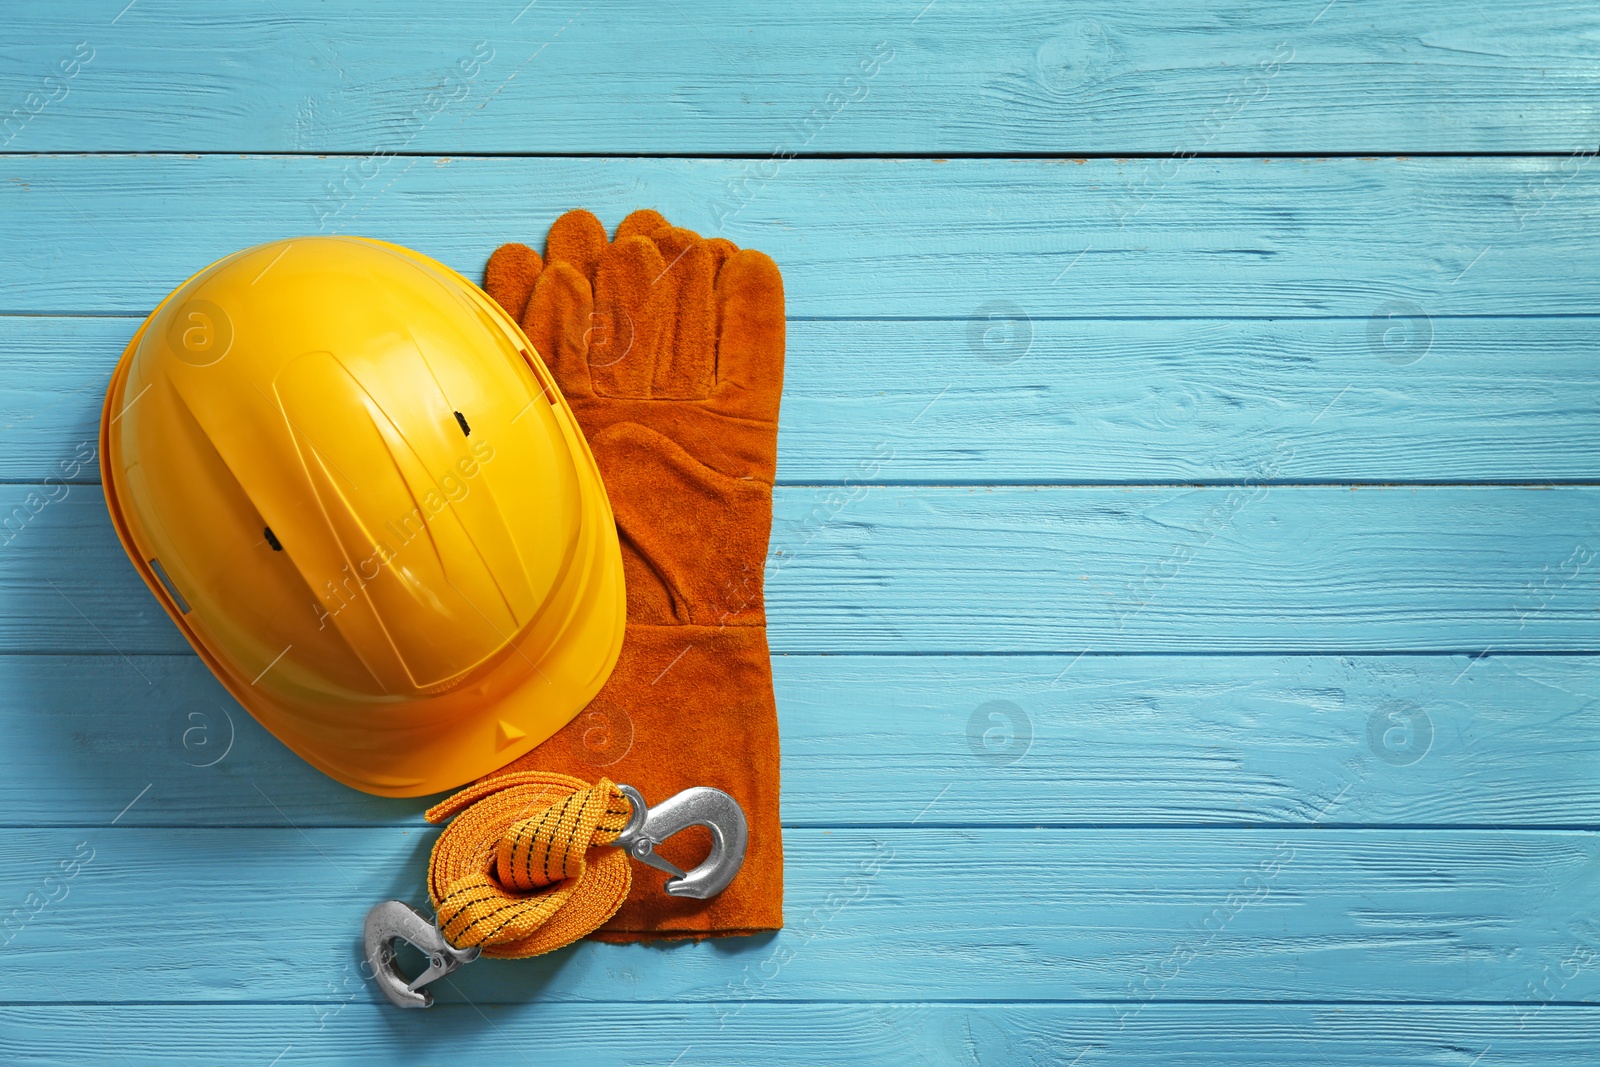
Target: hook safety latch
[(393, 921)]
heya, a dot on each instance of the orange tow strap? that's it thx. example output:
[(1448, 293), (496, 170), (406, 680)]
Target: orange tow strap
[(524, 868)]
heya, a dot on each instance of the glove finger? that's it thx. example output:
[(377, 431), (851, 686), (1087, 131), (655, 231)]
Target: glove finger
[(749, 377), (558, 322), (673, 242), (722, 250), (681, 299), (645, 222), (626, 334), (510, 276), (577, 238)]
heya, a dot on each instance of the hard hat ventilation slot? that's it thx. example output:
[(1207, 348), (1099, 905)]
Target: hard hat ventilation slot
[(461, 420), (172, 590), (272, 539)]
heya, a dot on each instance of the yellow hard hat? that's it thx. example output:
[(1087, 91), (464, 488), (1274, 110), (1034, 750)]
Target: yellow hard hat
[(351, 482)]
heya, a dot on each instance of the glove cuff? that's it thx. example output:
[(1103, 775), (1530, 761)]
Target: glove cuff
[(686, 706)]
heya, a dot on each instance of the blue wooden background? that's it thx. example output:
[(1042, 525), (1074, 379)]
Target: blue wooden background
[(1184, 582)]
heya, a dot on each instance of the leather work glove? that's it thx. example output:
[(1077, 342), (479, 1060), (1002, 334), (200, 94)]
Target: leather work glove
[(669, 347)]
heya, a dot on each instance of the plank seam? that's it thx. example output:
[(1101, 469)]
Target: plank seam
[(1055, 154), (1579, 1005)]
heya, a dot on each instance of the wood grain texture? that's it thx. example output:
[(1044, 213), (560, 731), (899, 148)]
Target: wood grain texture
[(870, 740), (868, 238), (938, 569), (1083, 401), (349, 1030), (872, 915), (1108, 738), (697, 76)]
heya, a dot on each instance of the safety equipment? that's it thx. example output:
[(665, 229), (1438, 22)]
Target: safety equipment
[(534, 861), (346, 474), (670, 348)]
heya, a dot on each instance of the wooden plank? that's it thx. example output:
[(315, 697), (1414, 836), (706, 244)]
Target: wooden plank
[(1388, 238), (1242, 569), (868, 740), (898, 569), (354, 1031), (695, 76), (1101, 401), (886, 914)]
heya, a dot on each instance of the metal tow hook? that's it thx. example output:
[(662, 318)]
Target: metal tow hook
[(700, 806), (395, 920)]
